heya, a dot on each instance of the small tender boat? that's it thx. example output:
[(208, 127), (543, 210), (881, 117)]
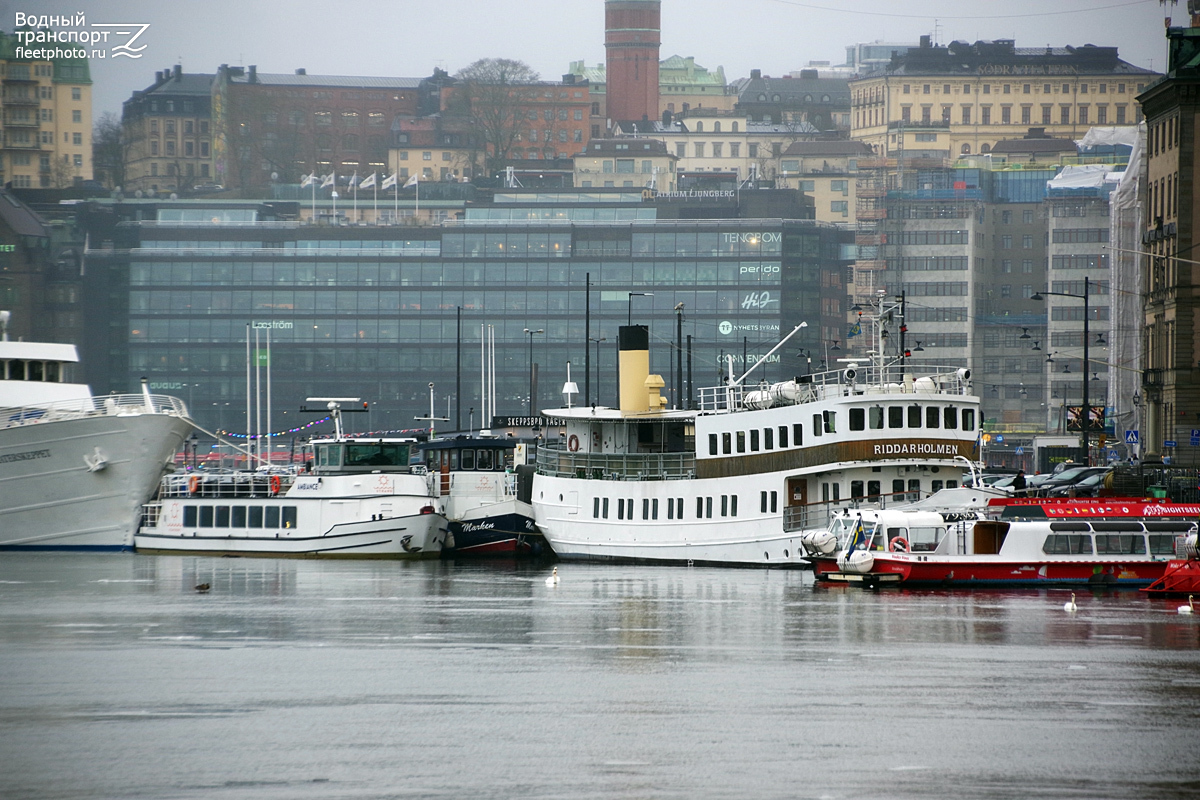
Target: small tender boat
[(1108, 545), (485, 487), (362, 499)]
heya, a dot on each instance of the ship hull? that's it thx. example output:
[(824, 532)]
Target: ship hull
[(79, 484)]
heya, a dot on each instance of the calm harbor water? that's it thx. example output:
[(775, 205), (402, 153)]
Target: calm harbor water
[(319, 679)]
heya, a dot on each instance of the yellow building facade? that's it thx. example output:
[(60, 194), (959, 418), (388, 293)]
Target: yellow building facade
[(985, 92), (46, 114)]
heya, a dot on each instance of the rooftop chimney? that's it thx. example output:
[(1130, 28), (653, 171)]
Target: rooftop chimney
[(755, 74), (253, 74), (926, 42), (301, 71), (178, 72)]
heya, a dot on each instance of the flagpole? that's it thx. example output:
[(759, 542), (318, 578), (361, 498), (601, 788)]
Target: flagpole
[(375, 186), (334, 193), (417, 207)]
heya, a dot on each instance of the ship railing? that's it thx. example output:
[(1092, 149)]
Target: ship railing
[(228, 485), (911, 379), (817, 515), (102, 405), (557, 461)]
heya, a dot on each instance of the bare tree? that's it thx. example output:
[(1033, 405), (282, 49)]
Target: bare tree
[(109, 150), (496, 93)]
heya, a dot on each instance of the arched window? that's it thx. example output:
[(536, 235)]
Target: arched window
[(699, 127), (323, 117), (985, 148), (735, 127), (350, 119), (824, 98), (350, 141), (774, 98), (376, 118), (716, 127), (966, 149), (762, 98), (808, 98)]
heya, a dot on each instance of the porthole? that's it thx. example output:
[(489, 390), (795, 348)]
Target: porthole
[(767, 556), (785, 554)]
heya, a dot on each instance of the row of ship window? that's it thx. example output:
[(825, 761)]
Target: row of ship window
[(271, 516), (1108, 544), (754, 440), (724, 506)]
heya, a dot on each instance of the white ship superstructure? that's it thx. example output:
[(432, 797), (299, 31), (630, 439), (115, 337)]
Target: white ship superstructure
[(738, 480)]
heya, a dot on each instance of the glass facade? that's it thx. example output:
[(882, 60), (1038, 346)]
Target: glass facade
[(355, 311)]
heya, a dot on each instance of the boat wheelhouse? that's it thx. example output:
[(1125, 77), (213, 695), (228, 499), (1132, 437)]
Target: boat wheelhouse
[(737, 480)]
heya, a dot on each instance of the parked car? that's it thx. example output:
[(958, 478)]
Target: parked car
[(1067, 478), (1088, 486)]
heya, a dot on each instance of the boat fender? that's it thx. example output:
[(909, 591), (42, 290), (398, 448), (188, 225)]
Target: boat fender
[(573, 443), (193, 484), (275, 484), (899, 545)]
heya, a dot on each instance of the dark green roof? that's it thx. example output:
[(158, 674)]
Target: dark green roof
[(66, 70)]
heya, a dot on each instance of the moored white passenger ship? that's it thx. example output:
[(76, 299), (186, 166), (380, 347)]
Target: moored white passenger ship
[(738, 480), (362, 499)]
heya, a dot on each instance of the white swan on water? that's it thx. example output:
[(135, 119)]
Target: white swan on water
[(1070, 607), (1189, 608), (553, 579)]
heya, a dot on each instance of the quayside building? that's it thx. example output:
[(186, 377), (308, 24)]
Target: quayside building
[(381, 311)]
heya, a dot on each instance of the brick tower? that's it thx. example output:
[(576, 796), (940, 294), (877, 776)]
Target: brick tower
[(631, 40)]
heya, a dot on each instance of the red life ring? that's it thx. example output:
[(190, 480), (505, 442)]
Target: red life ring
[(573, 443), (275, 484), (193, 484), (899, 545)]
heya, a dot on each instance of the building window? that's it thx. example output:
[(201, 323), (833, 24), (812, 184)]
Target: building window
[(1102, 114), (204, 149), (1083, 115), (76, 94), (698, 149), (1046, 112), (1026, 115), (1120, 114), (1064, 115), (717, 148), (985, 115), (1006, 114), (966, 115), (189, 148), (154, 148)]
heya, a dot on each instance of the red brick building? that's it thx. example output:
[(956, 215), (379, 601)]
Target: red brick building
[(290, 125), (632, 37)]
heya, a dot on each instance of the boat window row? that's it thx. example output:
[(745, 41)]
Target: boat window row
[(487, 459), (1082, 544), (362, 455), (912, 416), (19, 369), (757, 439), (254, 516), (725, 505)]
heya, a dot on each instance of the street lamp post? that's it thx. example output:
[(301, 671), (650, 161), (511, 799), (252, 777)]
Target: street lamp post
[(532, 381), (597, 341), (1086, 422)]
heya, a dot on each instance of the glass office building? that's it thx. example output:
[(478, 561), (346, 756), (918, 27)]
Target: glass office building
[(381, 312)]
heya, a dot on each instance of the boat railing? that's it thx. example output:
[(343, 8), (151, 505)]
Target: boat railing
[(862, 379), (100, 406), (226, 485), (817, 515), (557, 461)]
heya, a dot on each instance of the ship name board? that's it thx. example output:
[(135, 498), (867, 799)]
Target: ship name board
[(916, 449), (28, 455)]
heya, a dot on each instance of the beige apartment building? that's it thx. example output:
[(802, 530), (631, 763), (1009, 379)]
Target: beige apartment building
[(46, 113), (705, 140), (988, 91), (628, 162)]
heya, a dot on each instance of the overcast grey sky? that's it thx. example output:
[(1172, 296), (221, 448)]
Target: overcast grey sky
[(408, 38)]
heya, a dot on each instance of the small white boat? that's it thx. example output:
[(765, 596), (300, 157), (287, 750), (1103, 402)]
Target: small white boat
[(358, 498), (76, 469)]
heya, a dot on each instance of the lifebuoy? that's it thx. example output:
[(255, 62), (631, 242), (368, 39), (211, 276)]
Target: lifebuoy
[(898, 545), (193, 484), (275, 484), (573, 443)]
